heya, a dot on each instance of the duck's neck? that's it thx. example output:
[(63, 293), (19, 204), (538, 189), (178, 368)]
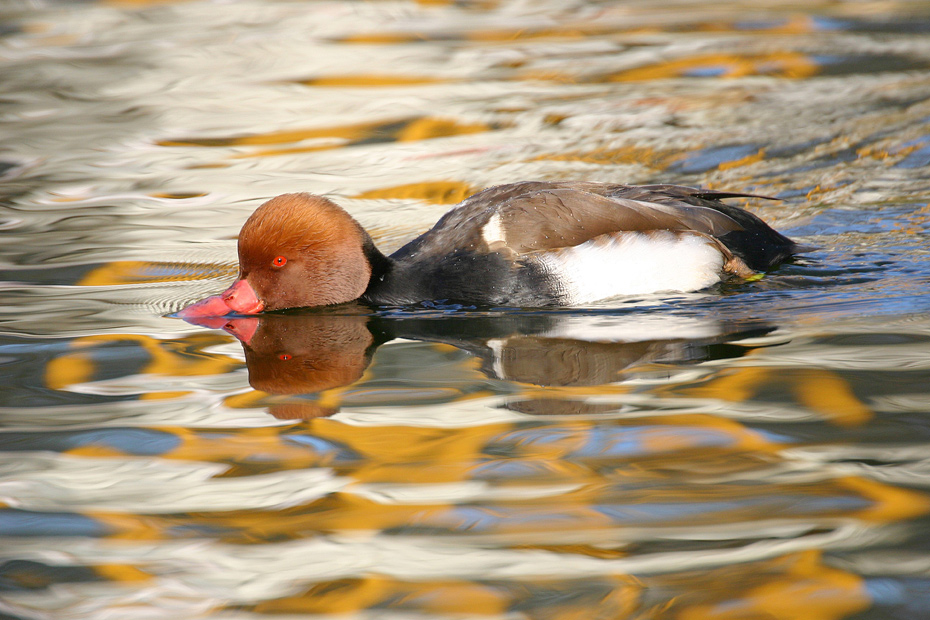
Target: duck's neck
[(381, 267)]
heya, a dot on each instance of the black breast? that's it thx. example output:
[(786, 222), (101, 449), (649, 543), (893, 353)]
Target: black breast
[(462, 276)]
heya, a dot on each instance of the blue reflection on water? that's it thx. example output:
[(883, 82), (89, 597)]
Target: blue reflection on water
[(134, 441), (28, 523)]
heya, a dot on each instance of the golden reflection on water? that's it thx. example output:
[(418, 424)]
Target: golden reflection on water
[(440, 192), (753, 451), (116, 273), (614, 453), (348, 135)]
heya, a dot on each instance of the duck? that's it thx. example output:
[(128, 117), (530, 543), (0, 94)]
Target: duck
[(526, 244)]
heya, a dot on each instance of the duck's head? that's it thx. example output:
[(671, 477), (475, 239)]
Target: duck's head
[(295, 251)]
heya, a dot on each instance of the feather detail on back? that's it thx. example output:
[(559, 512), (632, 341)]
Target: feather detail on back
[(560, 218)]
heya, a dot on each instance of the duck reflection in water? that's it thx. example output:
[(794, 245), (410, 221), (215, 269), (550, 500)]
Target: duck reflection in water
[(291, 354)]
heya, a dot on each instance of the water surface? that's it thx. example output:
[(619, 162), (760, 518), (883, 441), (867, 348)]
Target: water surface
[(753, 451)]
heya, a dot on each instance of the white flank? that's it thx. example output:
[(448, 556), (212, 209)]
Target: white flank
[(493, 231), (633, 264)]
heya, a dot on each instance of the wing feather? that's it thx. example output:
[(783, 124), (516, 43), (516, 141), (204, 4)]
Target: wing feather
[(557, 218)]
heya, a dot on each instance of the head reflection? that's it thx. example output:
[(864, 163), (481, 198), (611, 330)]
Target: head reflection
[(303, 355), (312, 354)]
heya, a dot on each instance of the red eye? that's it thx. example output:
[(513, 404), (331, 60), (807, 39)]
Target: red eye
[(279, 261), (284, 357)]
